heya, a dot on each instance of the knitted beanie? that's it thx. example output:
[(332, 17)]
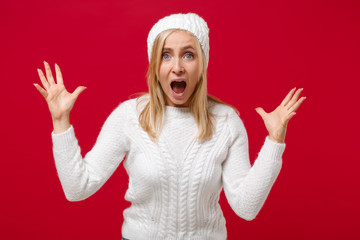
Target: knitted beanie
[(190, 22)]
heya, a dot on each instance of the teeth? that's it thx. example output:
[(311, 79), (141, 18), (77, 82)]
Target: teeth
[(178, 81)]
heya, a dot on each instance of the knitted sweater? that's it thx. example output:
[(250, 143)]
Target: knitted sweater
[(175, 183)]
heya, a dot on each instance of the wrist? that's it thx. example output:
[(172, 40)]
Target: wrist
[(277, 140), (60, 117), (61, 124)]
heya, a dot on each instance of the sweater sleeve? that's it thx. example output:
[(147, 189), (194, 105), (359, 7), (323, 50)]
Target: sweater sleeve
[(246, 188), (82, 177)]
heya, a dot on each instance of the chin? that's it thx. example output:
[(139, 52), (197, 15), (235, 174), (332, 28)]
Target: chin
[(178, 102)]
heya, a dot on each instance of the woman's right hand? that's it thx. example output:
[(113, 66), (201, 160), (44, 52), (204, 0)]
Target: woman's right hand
[(59, 100)]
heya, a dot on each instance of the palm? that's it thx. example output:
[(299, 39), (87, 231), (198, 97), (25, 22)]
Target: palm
[(59, 100), (277, 120)]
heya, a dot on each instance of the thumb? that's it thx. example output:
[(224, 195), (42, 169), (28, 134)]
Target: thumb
[(78, 90), (260, 111)]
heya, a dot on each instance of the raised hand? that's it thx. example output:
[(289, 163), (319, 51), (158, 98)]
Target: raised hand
[(59, 100), (276, 121)]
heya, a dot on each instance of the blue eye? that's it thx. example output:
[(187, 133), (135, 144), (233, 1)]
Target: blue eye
[(189, 56), (165, 56)]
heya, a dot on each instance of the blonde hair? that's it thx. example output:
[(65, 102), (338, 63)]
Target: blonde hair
[(151, 117)]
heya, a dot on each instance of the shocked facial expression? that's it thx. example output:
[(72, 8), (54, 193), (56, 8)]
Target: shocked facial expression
[(179, 68)]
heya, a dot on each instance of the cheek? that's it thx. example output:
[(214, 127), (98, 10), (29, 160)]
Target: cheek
[(163, 84), (195, 74), (162, 77), (163, 72)]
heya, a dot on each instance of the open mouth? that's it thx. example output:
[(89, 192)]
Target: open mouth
[(178, 86)]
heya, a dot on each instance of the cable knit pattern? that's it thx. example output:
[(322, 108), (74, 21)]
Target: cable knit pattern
[(175, 183)]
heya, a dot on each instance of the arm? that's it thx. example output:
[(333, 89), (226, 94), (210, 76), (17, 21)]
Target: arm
[(80, 178), (246, 188)]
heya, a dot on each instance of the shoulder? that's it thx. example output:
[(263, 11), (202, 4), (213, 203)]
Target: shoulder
[(132, 106), (123, 107), (124, 114), (228, 115), (222, 110)]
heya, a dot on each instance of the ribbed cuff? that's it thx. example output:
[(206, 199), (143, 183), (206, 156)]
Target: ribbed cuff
[(64, 141), (272, 150)]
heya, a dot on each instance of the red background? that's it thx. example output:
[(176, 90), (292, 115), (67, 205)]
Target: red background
[(259, 50)]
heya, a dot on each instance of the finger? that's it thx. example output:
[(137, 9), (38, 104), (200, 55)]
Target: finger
[(78, 90), (294, 98), (260, 111), (289, 117), (41, 90), (43, 80), (49, 75), (59, 78), (288, 97), (297, 104)]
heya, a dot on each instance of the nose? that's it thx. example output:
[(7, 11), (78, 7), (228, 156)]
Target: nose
[(178, 67)]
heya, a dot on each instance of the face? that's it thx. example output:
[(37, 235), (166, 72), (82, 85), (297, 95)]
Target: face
[(179, 68)]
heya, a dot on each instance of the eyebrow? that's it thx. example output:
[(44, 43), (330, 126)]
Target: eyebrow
[(184, 48)]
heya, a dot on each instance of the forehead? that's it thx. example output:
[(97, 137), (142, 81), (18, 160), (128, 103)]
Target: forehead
[(179, 38)]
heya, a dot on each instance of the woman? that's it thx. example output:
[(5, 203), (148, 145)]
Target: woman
[(181, 145)]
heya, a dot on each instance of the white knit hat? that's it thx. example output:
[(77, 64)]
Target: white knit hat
[(191, 22)]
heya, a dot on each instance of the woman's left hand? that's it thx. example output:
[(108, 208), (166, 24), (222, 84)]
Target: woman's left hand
[(276, 121)]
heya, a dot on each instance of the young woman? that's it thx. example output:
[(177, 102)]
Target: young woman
[(181, 145)]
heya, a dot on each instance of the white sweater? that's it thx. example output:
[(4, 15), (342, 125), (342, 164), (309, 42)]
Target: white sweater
[(174, 184)]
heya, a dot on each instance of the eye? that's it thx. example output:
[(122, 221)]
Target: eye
[(165, 56), (189, 55)]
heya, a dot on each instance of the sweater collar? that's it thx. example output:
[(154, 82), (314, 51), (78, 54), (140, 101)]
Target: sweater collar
[(182, 112)]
